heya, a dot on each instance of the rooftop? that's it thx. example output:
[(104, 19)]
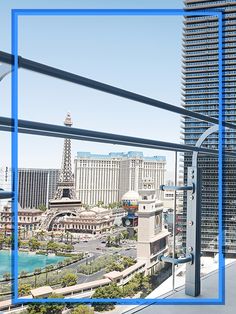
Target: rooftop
[(41, 292), (113, 275), (118, 155), (82, 286)]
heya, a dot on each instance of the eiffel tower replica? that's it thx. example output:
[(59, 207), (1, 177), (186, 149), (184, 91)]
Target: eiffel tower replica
[(65, 185), (64, 202)]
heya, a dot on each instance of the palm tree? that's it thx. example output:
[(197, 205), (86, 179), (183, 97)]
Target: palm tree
[(109, 239), (67, 236), (24, 231), (41, 235), (48, 268), (117, 239), (23, 274), (5, 230), (37, 271), (52, 236), (6, 276), (1, 243)]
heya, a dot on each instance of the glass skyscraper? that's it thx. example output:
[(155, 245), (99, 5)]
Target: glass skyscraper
[(200, 94), (35, 186)]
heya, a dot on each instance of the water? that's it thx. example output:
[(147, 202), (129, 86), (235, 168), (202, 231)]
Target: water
[(26, 261)]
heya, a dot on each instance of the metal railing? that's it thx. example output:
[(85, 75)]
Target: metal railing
[(193, 188)]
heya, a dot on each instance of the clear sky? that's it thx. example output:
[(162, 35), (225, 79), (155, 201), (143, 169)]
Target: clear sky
[(140, 54)]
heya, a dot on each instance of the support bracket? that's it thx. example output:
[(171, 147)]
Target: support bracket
[(5, 194), (181, 260)]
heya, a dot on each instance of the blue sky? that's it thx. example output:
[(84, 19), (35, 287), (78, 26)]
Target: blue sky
[(141, 54)]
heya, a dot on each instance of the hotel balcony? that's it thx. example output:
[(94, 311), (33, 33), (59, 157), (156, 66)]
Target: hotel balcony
[(209, 290), (200, 19), (207, 4), (199, 26), (209, 277), (199, 42), (199, 47)]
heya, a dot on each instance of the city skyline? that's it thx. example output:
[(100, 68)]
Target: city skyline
[(36, 186), (136, 48), (124, 224)]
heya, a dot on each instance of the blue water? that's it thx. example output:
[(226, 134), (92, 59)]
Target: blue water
[(26, 261)]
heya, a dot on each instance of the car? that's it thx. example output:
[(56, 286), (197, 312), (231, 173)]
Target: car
[(98, 248), (103, 241)]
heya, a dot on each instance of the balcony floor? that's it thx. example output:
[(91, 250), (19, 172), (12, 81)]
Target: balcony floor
[(209, 290)]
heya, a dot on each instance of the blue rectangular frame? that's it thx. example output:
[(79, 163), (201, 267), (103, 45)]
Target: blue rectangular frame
[(14, 144)]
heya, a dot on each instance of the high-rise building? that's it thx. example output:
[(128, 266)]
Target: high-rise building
[(107, 178), (35, 186), (200, 91)]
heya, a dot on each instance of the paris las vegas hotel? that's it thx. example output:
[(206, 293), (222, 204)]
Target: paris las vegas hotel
[(104, 178)]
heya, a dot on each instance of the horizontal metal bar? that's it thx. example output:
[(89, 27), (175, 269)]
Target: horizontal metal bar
[(5, 194), (77, 79), (176, 188), (176, 261), (31, 127), (80, 138)]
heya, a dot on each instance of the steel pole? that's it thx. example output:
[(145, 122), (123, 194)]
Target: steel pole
[(174, 222)]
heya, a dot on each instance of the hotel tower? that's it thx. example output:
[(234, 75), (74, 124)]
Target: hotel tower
[(200, 94)]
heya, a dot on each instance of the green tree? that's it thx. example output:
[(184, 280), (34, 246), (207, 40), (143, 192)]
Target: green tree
[(125, 234), (145, 284), (69, 248), (129, 289), (100, 203), (49, 308), (41, 235), (61, 237), (24, 289), (19, 242), (6, 276), (82, 309), (67, 236), (117, 239), (68, 280), (8, 241), (109, 239), (110, 292), (2, 241), (139, 283), (127, 261), (115, 266), (34, 244), (52, 236), (52, 247), (42, 207)]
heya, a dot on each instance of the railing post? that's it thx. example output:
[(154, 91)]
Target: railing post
[(193, 233), (174, 222)]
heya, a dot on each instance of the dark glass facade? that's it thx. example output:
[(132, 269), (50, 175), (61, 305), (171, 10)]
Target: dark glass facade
[(36, 186), (200, 94)]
